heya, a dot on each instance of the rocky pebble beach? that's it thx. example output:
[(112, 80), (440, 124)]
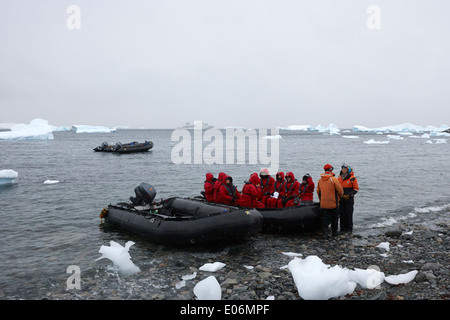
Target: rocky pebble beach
[(257, 269)]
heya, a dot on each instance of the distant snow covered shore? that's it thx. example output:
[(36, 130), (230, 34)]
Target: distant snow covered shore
[(443, 130), (40, 129)]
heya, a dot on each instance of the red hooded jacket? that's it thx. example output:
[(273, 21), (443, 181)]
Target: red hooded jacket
[(209, 187), (217, 185), (228, 193), (307, 189), (251, 194), (292, 187)]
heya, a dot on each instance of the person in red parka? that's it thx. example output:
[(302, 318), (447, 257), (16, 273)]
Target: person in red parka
[(209, 187), (290, 198), (277, 191), (306, 192), (228, 193), (217, 185), (267, 183), (251, 193)]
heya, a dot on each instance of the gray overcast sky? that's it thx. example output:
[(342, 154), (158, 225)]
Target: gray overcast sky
[(251, 63)]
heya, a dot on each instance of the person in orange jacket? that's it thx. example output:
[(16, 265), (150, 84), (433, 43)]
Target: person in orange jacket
[(349, 183), (329, 191)]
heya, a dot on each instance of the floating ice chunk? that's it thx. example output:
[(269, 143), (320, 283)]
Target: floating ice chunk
[(394, 137), (401, 278), (8, 176), (51, 181), (437, 141), (384, 245), (208, 289), (372, 141), (351, 137), (273, 137), (212, 267), (120, 257)]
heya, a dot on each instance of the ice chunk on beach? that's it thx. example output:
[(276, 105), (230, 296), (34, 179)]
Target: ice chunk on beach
[(8, 176), (318, 281), (401, 278), (208, 289), (384, 245), (91, 129), (212, 267), (120, 257), (37, 129)]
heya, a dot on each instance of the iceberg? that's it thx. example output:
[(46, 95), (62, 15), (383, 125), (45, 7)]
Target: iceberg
[(8, 177), (91, 129), (37, 129), (331, 129)]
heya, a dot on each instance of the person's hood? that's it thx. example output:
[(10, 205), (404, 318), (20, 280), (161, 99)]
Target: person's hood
[(221, 176), (254, 178), (326, 176), (290, 174), (280, 174), (227, 177), (209, 177)]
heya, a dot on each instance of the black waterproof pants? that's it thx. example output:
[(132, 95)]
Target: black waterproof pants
[(330, 216), (346, 214)]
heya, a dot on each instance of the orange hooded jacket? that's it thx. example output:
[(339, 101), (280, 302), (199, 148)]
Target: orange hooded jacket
[(329, 191)]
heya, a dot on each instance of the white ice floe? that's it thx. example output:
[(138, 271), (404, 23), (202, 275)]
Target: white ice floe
[(208, 289), (351, 137), (372, 141), (212, 267), (401, 278), (394, 137), (37, 129), (91, 129), (120, 257), (51, 181), (273, 137), (8, 177)]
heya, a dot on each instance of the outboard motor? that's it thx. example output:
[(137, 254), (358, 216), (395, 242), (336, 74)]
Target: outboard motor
[(145, 193)]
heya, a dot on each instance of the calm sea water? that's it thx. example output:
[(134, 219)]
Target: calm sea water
[(45, 228)]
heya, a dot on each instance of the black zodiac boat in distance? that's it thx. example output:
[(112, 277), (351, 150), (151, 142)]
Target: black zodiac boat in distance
[(125, 148)]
